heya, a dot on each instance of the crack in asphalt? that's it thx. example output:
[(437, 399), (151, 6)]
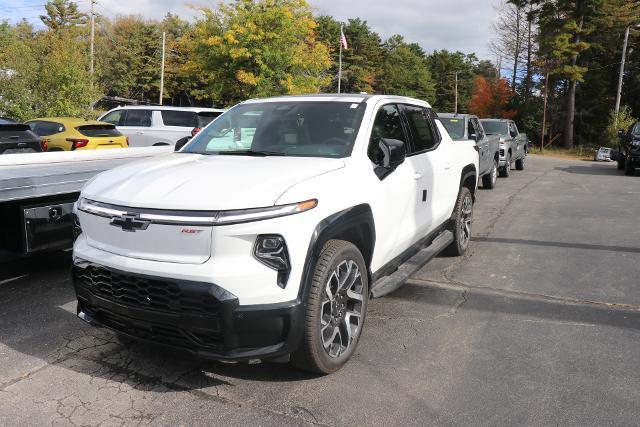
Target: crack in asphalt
[(454, 285)]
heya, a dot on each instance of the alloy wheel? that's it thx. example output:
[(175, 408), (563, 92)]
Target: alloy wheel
[(341, 309), (466, 221)]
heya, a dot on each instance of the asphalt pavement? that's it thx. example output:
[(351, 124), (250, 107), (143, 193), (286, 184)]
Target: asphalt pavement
[(537, 325)]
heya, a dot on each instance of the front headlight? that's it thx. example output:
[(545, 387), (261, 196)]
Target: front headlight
[(259, 214)]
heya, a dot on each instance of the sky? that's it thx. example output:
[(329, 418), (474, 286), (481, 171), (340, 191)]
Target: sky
[(463, 25)]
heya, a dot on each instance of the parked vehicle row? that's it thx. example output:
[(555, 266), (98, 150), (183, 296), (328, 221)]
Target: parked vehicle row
[(466, 127), (122, 127), (514, 146)]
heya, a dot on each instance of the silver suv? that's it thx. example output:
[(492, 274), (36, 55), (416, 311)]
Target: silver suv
[(154, 125)]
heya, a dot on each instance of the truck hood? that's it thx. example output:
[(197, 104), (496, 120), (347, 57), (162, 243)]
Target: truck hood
[(198, 182)]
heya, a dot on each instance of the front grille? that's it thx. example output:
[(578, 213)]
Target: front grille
[(163, 334), (501, 152), (153, 294)]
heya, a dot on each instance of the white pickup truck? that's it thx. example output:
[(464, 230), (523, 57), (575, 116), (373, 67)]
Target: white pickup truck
[(265, 236)]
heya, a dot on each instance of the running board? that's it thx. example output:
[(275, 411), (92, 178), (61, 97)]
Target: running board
[(386, 285)]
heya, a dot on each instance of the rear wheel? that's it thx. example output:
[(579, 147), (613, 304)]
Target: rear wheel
[(489, 180), (335, 309), (506, 169), (462, 223), (620, 161), (520, 164)]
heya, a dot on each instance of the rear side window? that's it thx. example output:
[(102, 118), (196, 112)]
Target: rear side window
[(421, 130), (99, 130), (179, 118), (206, 117), (46, 128), (139, 118)]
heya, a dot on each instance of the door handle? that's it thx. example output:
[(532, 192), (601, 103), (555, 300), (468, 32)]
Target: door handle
[(417, 176), (140, 132), (447, 166)]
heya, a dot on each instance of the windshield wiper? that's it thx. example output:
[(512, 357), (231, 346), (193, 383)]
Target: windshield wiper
[(256, 153)]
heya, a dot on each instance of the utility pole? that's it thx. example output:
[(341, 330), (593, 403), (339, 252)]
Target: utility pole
[(164, 40), (544, 111), (456, 107), (620, 78), (93, 25), (340, 60)]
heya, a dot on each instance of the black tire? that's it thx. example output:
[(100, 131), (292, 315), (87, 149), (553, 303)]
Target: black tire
[(490, 179), (462, 224), (337, 257), (505, 171), (620, 162), (628, 168), (520, 164)]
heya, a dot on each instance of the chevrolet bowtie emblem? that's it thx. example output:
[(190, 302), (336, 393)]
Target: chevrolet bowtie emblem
[(130, 223)]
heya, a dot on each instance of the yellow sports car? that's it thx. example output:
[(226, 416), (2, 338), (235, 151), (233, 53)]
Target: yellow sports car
[(70, 134)]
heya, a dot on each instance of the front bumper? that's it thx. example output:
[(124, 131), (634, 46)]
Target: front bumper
[(201, 318)]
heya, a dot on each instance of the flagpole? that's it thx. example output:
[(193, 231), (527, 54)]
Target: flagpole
[(340, 61)]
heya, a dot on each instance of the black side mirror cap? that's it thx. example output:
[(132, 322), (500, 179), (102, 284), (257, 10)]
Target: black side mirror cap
[(393, 154)]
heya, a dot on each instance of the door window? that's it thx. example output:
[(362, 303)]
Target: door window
[(387, 125), (421, 130), (479, 130), (471, 128), (137, 118)]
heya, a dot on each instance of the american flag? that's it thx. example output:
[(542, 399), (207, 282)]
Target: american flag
[(343, 39)]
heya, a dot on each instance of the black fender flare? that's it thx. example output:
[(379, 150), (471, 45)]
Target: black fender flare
[(356, 221), (467, 172)]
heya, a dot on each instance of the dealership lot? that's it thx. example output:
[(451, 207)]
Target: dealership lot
[(537, 325)]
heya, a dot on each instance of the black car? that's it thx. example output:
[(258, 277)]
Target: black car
[(629, 149), (18, 138)]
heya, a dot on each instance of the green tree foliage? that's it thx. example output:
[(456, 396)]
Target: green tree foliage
[(622, 121), (405, 70), (443, 66), (45, 75), (62, 14), (128, 58), (363, 60), (257, 48)]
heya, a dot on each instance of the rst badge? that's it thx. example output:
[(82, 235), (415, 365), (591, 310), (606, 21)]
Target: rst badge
[(130, 223)]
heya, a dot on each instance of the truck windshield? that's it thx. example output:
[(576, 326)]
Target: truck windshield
[(454, 126), (299, 129), (492, 127)]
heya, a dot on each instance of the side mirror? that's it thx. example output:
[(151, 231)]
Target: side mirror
[(182, 142), (621, 133), (475, 137), (392, 154)]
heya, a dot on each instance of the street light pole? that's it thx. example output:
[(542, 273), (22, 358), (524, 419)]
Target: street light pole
[(164, 41), (456, 108), (620, 78)]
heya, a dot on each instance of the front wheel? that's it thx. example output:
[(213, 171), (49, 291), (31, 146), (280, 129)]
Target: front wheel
[(620, 161), (489, 180), (335, 309), (462, 223), (506, 169), (520, 164)]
